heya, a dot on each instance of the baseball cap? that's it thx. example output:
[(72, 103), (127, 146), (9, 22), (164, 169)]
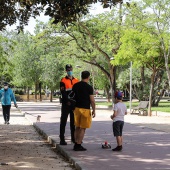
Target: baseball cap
[(118, 95), (5, 84), (68, 66)]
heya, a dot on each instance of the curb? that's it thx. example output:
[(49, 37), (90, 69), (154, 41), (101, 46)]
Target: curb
[(72, 160)]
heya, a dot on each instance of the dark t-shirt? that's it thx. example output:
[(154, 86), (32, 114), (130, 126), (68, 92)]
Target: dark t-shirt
[(82, 92)]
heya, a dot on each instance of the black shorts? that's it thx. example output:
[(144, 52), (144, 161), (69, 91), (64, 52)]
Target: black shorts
[(118, 128)]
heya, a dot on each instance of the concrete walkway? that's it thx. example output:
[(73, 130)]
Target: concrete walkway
[(146, 139)]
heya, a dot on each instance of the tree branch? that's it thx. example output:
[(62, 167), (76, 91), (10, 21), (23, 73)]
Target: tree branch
[(93, 41)]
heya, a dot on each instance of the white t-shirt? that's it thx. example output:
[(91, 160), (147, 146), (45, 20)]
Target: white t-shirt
[(121, 109)]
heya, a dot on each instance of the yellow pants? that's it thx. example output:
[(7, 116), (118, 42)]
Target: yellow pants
[(82, 117)]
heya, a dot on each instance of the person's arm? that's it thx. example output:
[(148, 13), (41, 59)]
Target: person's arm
[(13, 99), (126, 111), (63, 92), (114, 112), (93, 105), (0, 94)]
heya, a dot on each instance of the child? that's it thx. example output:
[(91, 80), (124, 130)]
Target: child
[(118, 119)]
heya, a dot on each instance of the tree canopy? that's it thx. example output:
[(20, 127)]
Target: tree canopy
[(64, 11)]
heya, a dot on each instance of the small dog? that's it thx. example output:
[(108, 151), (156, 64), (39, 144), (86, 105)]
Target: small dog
[(38, 118)]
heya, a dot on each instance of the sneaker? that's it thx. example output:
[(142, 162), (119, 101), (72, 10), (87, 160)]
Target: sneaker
[(118, 148), (75, 146), (73, 140), (7, 123), (80, 148), (63, 142)]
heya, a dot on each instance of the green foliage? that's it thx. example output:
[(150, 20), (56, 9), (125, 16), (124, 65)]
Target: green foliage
[(137, 46), (5, 62), (127, 34), (64, 11), (19, 92)]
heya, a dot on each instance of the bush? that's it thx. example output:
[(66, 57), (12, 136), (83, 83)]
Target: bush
[(20, 92), (42, 93), (18, 98)]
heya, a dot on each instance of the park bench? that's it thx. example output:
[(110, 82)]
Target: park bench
[(141, 108)]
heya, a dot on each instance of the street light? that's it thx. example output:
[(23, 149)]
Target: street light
[(77, 66), (92, 72), (130, 104), (114, 74)]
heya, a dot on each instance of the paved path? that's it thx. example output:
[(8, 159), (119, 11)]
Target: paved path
[(22, 148), (146, 139)]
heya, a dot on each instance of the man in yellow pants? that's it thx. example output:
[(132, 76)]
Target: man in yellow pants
[(82, 114)]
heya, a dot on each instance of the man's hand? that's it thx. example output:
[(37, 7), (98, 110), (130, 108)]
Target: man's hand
[(93, 114), (111, 117), (15, 105), (68, 103)]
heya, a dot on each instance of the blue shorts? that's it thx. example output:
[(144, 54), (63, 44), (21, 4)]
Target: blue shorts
[(118, 128)]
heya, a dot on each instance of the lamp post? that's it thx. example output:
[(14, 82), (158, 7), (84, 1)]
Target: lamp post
[(114, 80), (130, 104), (77, 66)]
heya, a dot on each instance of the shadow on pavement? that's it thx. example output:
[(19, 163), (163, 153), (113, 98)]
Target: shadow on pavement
[(143, 148)]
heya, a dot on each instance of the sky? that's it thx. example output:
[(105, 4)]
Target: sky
[(95, 9)]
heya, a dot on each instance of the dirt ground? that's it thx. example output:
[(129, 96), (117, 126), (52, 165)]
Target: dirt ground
[(21, 147)]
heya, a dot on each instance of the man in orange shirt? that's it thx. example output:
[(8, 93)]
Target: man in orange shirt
[(66, 85)]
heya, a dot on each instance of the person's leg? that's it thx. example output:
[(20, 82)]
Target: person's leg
[(119, 140), (117, 133), (72, 126), (84, 122), (76, 133), (4, 113), (63, 122), (121, 131), (8, 107), (79, 135), (76, 123)]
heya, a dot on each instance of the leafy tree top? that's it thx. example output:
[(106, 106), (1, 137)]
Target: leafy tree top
[(64, 11)]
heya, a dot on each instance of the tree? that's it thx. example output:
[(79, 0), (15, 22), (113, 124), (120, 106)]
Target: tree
[(160, 19), (6, 68), (36, 60), (143, 49), (88, 42), (65, 11)]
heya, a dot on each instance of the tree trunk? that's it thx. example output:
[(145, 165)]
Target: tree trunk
[(28, 95), (167, 68), (107, 94), (35, 91), (40, 91), (25, 90), (142, 76), (151, 92), (157, 97), (51, 95)]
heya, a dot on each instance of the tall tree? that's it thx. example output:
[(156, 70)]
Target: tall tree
[(159, 16), (93, 45), (143, 49), (6, 65), (65, 11)]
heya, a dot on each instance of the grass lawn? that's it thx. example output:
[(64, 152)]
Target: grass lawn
[(164, 106)]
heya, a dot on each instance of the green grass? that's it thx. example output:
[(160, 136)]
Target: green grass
[(104, 103), (164, 106)]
